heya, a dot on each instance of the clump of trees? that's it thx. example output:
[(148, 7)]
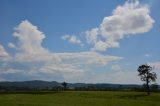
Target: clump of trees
[(147, 75)]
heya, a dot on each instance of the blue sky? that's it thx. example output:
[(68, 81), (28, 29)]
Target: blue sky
[(78, 40)]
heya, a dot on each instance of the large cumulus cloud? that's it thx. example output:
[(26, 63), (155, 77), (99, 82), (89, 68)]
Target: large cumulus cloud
[(126, 20)]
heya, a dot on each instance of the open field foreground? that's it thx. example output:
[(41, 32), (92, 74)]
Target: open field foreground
[(79, 98)]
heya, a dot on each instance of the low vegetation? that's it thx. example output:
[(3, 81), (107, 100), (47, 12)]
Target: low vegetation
[(79, 98)]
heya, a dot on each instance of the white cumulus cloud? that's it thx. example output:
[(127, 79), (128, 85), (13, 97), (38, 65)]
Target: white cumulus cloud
[(29, 46), (128, 19)]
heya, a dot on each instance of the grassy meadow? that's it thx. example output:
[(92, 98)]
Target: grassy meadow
[(79, 98)]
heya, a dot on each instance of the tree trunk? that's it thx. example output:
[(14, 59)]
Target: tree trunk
[(148, 89)]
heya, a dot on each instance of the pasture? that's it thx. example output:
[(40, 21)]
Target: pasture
[(79, 98)]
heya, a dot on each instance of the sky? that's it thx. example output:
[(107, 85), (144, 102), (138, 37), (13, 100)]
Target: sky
[(89, 41)]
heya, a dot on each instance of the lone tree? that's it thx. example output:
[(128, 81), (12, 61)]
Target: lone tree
[(146, 74), (64, 84)]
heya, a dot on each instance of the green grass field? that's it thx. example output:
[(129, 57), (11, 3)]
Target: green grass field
[(79, 98)]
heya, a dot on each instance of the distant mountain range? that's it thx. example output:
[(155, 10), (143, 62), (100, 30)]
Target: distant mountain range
[(37, 84)]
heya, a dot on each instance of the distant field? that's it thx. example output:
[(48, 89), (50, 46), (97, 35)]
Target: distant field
[(79, 98)]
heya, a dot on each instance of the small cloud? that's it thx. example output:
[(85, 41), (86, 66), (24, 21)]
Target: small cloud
[(65, 37), (147, 55), (11, 45), (72, 39)]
